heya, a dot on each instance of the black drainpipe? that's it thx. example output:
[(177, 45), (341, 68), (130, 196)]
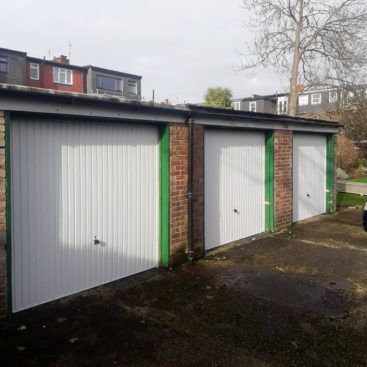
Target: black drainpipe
[(190, 251)]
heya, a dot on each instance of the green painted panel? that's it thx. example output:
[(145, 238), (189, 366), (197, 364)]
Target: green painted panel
[(330, 174), (269, 181), (8, 210), (164, 204)]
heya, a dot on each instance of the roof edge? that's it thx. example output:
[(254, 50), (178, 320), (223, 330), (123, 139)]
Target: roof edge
[(54, 63), (120, 73), (13, 51), (235, 114), (210, 116)]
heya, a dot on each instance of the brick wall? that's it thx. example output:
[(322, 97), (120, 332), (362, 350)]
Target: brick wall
[(46, 79), (3, 275), (31, 82), (198, 188), (283, 141), (178, 191)]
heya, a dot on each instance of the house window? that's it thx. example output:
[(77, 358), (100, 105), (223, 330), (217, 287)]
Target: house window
[(333, 96), (3, 64), (316, 98), (253, 106), (282, 105), (303, 100), (236, 106), (132, 87), (63, 76), (350, 96), (34, 71), (106, 82)]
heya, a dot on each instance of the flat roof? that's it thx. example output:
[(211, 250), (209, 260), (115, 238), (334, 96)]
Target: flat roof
[(257, 115), (70, 66), (12, 51), (109, 71), (54, 63), (256, 97), (47, 101)]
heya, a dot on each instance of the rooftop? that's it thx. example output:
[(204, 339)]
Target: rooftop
[(37, 100), (119, 73), (12, 51)]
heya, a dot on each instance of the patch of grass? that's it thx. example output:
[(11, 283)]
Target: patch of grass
[(344, 199), (363, 180)]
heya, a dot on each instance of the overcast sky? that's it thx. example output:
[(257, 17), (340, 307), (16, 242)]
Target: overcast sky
[(180, 47)]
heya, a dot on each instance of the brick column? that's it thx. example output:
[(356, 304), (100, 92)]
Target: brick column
[(178, 191), (283, 179), (198, 188), (3, 257)]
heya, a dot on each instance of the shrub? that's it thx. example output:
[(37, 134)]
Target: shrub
[(346, 154), (341, 174)]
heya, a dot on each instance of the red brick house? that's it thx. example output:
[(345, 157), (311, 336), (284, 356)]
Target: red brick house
[(16, 68), (57, 74)]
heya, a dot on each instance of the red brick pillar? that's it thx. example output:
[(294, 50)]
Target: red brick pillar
[(283, 178), (198, 188), (178, 191), (3, 254)]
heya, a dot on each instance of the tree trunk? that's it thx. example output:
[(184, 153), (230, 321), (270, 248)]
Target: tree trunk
[(293, 92)]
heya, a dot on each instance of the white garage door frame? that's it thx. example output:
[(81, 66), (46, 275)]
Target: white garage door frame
[(312, 170), (159, 200), (236, 223)]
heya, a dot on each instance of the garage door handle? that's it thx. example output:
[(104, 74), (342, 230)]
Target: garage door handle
[(308, 195), (236, 211), (96, 241)]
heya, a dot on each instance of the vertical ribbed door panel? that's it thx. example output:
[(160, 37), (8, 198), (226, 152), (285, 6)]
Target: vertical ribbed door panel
[(309, 175), (234, 185), (84, 205)]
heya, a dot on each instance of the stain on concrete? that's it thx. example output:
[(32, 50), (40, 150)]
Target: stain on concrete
[(296, 298)]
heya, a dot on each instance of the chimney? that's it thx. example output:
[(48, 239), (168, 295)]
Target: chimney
[(61, 60), (299, 87)]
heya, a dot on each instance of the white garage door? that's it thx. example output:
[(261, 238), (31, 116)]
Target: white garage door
[(309, 175), (84, 206), (234, 186)]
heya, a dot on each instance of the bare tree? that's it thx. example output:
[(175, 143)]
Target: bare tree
[(313, 42)]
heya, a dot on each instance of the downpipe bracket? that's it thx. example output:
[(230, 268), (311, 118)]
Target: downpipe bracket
[(191, 257)]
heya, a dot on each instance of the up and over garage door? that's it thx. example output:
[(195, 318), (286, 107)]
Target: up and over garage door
[(309, 175), (234, 185), (235, 182), (84, 206)]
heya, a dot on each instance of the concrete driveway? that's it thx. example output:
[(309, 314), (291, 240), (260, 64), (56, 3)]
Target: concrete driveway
[(296, 298), (318, 265)]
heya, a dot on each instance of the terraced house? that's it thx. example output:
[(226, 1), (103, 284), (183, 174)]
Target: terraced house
[(310, 101), (58, 74)]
